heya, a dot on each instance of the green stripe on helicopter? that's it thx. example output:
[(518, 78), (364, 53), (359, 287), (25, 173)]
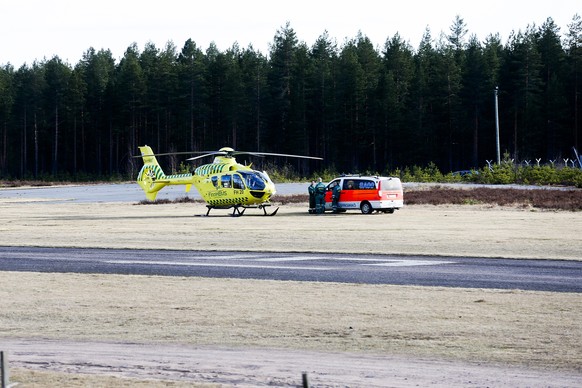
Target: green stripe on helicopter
[(179, 176), (208, 169), (151, 170)]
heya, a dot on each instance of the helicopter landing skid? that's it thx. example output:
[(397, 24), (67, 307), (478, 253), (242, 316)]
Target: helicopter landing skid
[(237, 212)]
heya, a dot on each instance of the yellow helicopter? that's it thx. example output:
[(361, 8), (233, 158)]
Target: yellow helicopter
[(223, 184)]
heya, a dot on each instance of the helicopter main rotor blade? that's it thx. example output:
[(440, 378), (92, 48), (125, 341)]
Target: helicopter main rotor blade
[(178, 153), (274, 154), (208, 154), (228, 153)]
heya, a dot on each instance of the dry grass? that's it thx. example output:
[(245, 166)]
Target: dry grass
[(165, 201), (476, 230), (538, 329), (41, 379), (570, 200), (25, 183), (40, 183)]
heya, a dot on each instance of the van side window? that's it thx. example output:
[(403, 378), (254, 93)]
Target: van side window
[(348, 184), (359, 184), (365, 184)]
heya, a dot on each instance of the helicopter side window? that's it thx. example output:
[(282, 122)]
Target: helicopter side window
[(214, 180), (237, 182), (226, 181)]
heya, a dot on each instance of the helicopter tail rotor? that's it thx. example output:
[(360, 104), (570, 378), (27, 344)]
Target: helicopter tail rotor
[(151, 175)]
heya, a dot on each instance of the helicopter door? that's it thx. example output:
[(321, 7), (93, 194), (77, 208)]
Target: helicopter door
[(237, 182), (232, 182)]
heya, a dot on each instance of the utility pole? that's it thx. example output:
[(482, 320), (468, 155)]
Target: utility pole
[(497, 126)]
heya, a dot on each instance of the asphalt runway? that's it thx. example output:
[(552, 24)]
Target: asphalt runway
[(536, 275)]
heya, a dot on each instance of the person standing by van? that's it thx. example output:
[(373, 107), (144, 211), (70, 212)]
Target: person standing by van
[(335, 194), (311, 191), (319, 197)]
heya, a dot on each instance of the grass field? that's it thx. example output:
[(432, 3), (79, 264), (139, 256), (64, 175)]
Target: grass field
[(533, 329)]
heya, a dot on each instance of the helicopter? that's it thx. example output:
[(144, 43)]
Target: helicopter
[(223, 184)]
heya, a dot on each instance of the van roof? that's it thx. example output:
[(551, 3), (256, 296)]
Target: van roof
[(378, 177)]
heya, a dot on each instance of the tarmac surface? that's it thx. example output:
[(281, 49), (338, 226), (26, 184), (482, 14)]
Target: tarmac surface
[(491, 273)]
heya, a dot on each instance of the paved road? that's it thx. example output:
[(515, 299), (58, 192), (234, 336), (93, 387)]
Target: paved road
[(539, 275), (121, 192)]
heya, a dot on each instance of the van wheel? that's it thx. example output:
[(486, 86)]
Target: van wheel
[(366, 208)]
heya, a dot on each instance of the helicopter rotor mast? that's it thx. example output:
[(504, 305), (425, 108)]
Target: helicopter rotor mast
[(261, 154)]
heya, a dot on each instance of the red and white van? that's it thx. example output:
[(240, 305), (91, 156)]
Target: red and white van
[(367, 193)]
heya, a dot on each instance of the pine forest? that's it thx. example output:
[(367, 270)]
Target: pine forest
[(362, 107)]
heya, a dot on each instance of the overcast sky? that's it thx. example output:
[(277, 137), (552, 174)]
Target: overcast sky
[(41, 29)]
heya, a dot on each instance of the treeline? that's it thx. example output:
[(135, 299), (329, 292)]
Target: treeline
[(360, 107)]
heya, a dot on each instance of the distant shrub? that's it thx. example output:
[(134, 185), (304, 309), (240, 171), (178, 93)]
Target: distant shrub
[(570, 176), (539, 175), (569, 200), (431, 173), (505, 173)]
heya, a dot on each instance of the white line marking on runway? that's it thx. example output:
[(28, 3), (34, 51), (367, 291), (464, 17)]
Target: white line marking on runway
[(293, 258), (178, 263), (228, 257), (382, 263), (409, 263)]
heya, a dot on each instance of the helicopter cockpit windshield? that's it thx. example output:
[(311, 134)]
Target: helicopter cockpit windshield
[(253, 180)]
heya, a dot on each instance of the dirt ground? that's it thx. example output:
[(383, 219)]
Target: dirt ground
[(108, 330)]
